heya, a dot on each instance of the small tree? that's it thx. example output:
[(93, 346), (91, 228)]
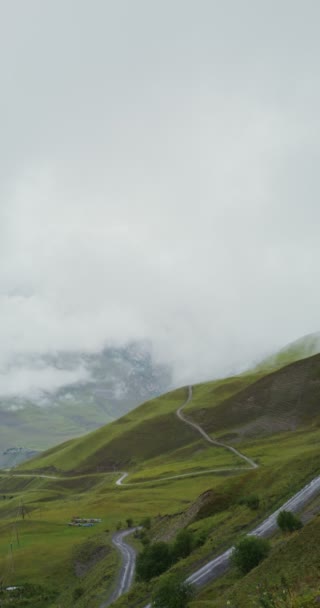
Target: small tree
[(172, 592), (153, 560), (249, 552), (143, 537), (252, 501), (288, 522), (183, 544), (146, 523), (77, 593), (129, 522)]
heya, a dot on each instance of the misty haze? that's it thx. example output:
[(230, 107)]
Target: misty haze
[(159, 302)]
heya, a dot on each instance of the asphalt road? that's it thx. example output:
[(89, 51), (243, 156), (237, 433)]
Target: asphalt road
[(126, 574), (218, 566)]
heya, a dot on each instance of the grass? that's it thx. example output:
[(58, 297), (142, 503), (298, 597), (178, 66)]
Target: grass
[(146, 431), (289, 576), (151, 443)]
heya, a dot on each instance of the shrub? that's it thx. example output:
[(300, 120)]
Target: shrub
[(252, 501), (288, 522), (153, 560), (249, 552), (183, 544), (172, 592), (146, 523), (129, 522), (143, 537), (77, 593)]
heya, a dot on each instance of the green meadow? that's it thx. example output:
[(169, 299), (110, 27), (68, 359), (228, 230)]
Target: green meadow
[(78, 566)]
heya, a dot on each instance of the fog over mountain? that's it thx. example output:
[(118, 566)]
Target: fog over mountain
[(158, 182)]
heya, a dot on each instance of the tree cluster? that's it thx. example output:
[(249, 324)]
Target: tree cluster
[(156, 558)]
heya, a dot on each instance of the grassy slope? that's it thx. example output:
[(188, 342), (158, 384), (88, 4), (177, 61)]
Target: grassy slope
[(283, 400), (150, 431), (299, 349), (18, 427), (290, 576), (288, 459), (235, 409)]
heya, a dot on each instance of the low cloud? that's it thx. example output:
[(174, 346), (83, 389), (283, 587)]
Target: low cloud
[(31, 382), (159, 182)]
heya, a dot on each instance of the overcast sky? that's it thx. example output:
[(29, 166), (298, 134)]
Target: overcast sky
[(159, 177)]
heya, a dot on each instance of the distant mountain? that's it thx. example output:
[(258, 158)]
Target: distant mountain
[(13, 456), (112, 382)]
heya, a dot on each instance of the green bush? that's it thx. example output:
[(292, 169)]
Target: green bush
[(252, 501), (249, 552), (172, 592), (288, 522), (77, 593), (146, 523), (153, 560), (143, 537), (183, 544)]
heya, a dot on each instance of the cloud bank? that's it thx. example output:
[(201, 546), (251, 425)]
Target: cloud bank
[(158, 179)]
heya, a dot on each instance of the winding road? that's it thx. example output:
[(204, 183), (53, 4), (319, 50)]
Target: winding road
[(218, 566), (202, 432), (215, 442), (126, 574)]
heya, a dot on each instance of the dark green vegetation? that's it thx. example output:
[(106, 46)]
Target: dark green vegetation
[(249, 552), (157, 557), (287, 578), (272, 418), (288, 522), (172, 592)]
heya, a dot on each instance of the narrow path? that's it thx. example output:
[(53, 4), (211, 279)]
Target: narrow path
[(200, 430), (215, 442), (126, 574)]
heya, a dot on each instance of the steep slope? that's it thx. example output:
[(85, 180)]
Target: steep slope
[(234, 410), (285, 400)]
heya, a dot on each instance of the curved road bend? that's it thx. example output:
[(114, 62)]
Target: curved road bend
[(215, 442), (126, 574)]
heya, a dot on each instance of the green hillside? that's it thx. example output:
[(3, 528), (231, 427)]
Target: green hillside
[(299, 349), (234, 410), (272, 418)]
